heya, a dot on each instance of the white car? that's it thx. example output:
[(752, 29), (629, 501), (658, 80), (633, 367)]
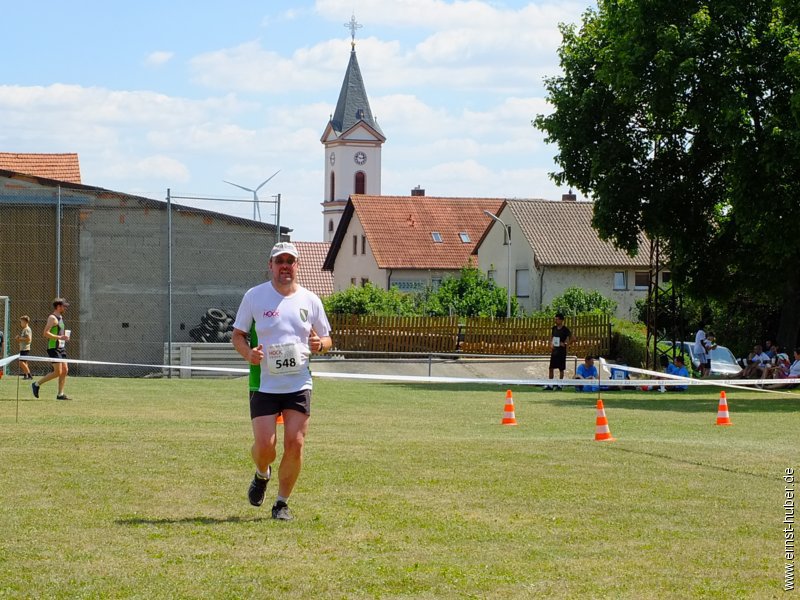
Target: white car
[(723, 362)]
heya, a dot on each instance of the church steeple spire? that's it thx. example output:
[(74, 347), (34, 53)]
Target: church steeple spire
[(352, 141)]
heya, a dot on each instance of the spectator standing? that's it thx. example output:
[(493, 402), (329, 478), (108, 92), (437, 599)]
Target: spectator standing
[(24, 339), (709, 344), (699, 348), (560, 338)]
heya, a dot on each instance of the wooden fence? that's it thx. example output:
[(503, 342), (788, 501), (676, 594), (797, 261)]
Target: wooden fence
[(472, 335)]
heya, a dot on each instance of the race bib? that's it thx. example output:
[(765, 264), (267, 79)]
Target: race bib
[(284, 359), (556, 342), (61, 344)]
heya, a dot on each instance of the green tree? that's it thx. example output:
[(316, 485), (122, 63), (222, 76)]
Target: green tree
[(576, 301), (469, 295), (682, 120)]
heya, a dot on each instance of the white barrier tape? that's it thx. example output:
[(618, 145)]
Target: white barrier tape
[(119, 364), (659, 380), (8, 360), (743, 384)]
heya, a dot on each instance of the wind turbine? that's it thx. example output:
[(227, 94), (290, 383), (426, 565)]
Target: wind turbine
[(256, 207)]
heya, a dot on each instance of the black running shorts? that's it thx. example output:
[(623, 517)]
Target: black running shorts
[(558, 359), (263, 404), (56, 353)]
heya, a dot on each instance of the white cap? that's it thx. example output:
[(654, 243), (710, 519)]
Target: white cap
[(284, 248)]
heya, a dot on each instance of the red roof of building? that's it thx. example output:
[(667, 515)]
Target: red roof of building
[(61, 167), (400, 229), (310, 274)]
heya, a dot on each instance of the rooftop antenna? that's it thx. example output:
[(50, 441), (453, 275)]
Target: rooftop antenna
[(256, 207)]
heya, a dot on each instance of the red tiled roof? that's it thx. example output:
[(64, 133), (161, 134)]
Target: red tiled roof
[(61, 167), (310, 274), (399, 228), (561, 234)]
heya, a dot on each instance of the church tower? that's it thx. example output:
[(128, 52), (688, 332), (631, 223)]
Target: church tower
[(352, 141)]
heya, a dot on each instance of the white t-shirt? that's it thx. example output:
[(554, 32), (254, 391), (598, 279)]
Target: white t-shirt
[(283, 324), (699, 346), (794, 370)]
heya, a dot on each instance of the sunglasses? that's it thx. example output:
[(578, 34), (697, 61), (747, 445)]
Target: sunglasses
[(285, 261)]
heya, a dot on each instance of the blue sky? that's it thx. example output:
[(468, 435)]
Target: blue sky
[(183, 95)]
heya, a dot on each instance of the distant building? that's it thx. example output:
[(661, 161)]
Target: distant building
[(406, 241)]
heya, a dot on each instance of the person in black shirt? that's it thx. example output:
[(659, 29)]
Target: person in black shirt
[(559, 340)]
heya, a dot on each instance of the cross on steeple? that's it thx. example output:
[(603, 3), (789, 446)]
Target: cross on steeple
[(353, 25)]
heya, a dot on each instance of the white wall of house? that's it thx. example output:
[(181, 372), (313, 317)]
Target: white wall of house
[(493, 260), (355, 263), (602, 279)]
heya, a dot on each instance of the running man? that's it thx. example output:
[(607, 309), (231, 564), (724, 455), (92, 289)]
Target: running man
[(290, 323), (55, 333)]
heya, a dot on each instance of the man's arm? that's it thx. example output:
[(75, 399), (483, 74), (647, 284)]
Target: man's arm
[(51, 322), (252, 355)]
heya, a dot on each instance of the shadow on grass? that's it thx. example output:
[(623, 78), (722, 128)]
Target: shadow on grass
[(686, 403), (188, 520), (672, 459), (24, 399)]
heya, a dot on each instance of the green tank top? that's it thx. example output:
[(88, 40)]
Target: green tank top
[(57, 329), (255, 370)]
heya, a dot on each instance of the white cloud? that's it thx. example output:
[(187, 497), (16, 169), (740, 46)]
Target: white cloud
[(157, 167), (158, 58)]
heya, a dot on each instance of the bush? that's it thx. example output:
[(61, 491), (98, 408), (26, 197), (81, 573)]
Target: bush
[(577, 301), (370, 300), (628, 343), (469, 295)]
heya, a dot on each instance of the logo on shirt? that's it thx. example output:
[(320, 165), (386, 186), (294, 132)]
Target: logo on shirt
[(303, 315), (269, 314)]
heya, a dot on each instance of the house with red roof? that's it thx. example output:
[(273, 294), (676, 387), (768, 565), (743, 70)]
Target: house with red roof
[(59, 167), (406, 241)]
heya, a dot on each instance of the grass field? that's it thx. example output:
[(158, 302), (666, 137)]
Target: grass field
[(137, 488)]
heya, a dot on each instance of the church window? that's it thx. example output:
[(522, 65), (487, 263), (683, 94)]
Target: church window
[(333, 187), (361, 183), (330, 226)]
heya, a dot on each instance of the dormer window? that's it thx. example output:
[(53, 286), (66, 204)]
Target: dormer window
[(437, 237), (464, 237)]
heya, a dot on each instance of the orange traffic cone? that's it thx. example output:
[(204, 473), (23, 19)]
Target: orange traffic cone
[(723, 418), (508, 411), (279, 420), (602, 433)]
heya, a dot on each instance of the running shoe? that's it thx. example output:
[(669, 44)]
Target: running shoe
[(63, 397), (35, 388), (258, 487), (280, 511)]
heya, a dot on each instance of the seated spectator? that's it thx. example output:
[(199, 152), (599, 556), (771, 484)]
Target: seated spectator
[(779, 367), (757, 361), (618, 374), (770, 349), (587, 371), (793, 372), (679, 368)]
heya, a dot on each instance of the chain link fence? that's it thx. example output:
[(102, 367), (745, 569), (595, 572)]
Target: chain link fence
[(138, 273)]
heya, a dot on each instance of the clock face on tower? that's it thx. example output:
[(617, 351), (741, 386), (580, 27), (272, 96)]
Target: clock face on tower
[(360, 158), (332, 158)]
